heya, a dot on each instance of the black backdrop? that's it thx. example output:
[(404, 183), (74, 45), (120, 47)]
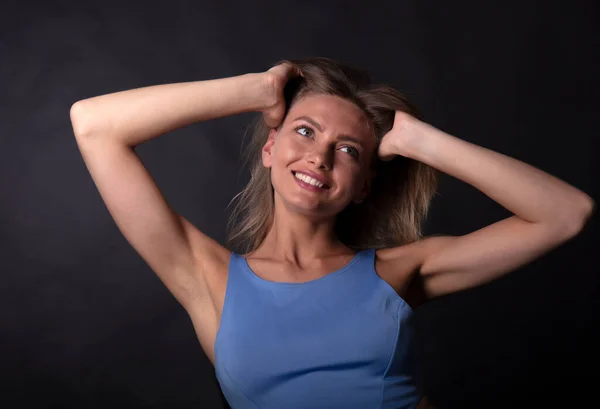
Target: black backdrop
[(84, 323)]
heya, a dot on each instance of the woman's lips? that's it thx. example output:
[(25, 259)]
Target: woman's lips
[(308, 186)]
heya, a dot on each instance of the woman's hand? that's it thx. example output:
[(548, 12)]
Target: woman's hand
[(402, 138), (276, 78)]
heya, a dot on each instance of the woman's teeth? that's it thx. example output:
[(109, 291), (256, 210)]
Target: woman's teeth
[(308, 179)]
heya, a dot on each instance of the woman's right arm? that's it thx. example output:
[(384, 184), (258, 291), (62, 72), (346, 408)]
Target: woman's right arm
[(135, 116), (108, 127)]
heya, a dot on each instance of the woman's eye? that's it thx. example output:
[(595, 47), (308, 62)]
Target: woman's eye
[(351, 150), (306, 128)]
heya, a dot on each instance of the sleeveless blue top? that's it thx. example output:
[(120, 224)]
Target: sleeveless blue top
[(340, 341)]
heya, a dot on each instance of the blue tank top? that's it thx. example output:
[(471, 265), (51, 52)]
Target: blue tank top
[(340, 341)]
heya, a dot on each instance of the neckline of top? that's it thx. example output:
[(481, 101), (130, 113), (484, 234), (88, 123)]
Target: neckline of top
[(327, 276)]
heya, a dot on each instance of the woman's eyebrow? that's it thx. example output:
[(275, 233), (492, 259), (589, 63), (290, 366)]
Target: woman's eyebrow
[(342, 137)]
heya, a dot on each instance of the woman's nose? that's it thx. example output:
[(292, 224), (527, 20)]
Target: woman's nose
[(321, 158)]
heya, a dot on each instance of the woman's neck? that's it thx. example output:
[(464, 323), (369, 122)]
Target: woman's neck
[(297, 239)]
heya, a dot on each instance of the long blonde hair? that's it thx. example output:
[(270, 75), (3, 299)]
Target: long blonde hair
[(401, 191)]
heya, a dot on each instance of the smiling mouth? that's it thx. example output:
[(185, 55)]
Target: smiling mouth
[(324, 186)]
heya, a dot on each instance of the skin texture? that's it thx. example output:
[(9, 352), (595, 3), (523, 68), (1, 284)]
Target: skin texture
[(303, 221)]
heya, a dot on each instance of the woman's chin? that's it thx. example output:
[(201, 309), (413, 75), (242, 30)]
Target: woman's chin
[(313, 209)]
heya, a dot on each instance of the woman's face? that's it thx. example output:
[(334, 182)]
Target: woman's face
[(326, 138)]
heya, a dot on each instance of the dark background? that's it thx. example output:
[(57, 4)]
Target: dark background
[(84, 322)]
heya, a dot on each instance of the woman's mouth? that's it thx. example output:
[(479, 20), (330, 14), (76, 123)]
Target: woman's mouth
[(309, 183)]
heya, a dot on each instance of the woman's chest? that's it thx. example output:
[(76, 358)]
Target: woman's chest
[(287, 336)]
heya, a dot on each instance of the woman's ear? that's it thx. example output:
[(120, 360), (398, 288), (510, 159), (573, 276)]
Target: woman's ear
[(267, 150)]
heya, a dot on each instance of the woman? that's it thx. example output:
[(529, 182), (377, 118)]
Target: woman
[(315, 314)]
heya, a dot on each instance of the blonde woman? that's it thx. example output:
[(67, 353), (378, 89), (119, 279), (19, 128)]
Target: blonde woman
[(314, 312)]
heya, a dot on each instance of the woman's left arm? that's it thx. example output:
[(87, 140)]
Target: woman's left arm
[(547, 211)]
